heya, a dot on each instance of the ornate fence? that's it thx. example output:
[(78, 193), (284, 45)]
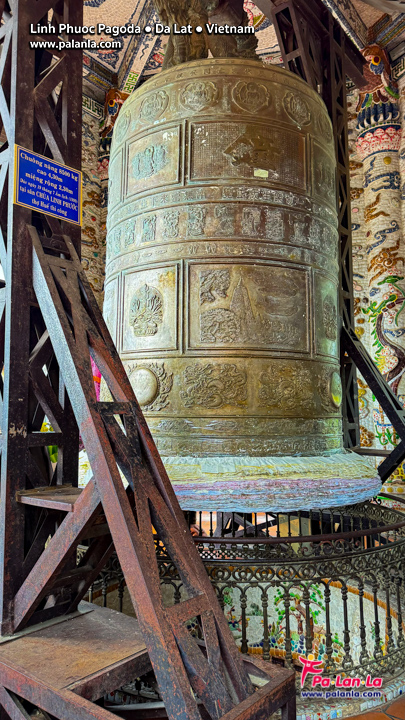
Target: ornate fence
[(328, 584)]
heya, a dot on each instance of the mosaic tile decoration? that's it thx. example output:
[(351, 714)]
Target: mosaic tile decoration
[(377, 165), (93, 237)]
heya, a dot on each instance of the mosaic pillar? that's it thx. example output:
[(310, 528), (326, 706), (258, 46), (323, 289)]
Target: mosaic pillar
[(92, 241), (113, 102), (360, 272), (379, 249)]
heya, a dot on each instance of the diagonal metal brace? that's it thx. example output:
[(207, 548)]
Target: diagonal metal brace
[(115, 435), (385, 396)]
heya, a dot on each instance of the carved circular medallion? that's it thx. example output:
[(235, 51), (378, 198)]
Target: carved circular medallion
[(250, 96), (152, 384), (145, 384), (297, 109), (198, 95), (154, 105), (324, 126), (122, 126), (335, 389)]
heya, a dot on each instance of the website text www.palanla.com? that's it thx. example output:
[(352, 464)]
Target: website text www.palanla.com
[(74, 45), (341, 687), (328, 694)]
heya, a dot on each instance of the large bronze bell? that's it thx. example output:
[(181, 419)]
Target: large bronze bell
[(222, 286)]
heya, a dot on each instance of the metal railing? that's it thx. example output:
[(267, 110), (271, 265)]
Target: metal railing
[(328, 584)]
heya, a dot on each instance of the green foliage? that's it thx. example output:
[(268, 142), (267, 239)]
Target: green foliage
[(52, 449), (255, 609), (336, 641), (315, 595)]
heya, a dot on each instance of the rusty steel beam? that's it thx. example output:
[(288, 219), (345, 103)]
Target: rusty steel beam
[(155, 504), (40, 109), (314, 46), (298, 25), (302, 28)]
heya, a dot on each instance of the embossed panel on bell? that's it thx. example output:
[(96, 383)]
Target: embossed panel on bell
[(225, 242), (247, 150), (150, 310), (114, 188), (153, 160), (248, 305)]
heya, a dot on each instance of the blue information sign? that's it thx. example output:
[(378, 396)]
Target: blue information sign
[(45, 185)]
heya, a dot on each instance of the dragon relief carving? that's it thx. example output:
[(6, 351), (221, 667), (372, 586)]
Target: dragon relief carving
[(213, 386), (146, 311), (251, 149), (286, 386), (220, 325)]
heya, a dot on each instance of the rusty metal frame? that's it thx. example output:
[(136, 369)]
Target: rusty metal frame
[(117, 438), (40, 109), (336, 52), (314, 46), (49, 329), (306, 30)]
